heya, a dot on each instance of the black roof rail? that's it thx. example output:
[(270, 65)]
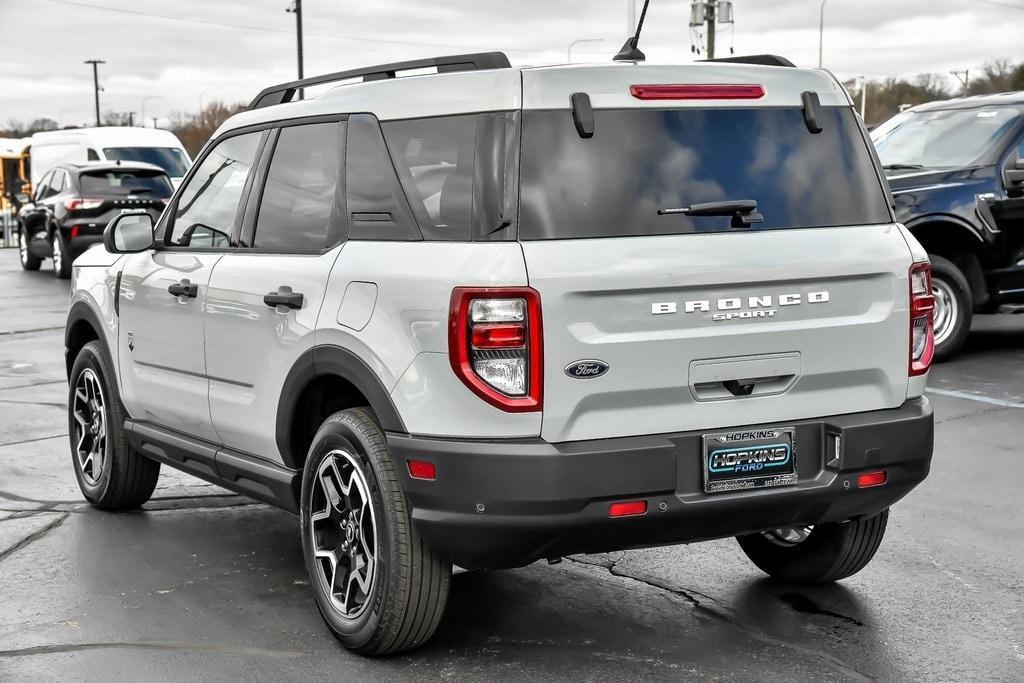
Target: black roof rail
[(763, 60), (284, 92)]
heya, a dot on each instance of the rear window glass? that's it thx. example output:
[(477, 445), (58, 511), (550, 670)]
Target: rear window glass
[(171, 159), (123, 183), (640, 161)]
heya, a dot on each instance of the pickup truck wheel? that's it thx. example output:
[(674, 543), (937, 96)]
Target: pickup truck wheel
[(110, 474), (954, 307), (61, 258), (816, 554), (28, 261), (377, 586)]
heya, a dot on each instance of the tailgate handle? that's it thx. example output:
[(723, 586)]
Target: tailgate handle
[(740, 387)]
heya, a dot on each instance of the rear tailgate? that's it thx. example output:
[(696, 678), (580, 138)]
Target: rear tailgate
[(667, 372)]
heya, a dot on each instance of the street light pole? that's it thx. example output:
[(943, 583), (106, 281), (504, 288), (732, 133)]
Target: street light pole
[(296, 8), (568, 56), (96, 84), (821, 30)]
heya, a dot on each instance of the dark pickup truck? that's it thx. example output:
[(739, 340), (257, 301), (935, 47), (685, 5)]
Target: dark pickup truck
[(956, 170)]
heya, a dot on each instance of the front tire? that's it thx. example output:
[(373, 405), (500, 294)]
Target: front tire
[(377, 586), (28, 261), (815, 555), (110, 474), (61, 257), (954, 307)]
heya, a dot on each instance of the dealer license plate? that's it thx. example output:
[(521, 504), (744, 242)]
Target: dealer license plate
[(749, 459)]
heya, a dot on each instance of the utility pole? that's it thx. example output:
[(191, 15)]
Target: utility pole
[(710, 14), (154, 121), (630, 17), (96, 83), (296, 8), (965, 79), (864, 99)]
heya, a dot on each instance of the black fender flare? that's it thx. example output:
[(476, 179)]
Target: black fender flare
[(949, 219), (81, 311), (335, 361)]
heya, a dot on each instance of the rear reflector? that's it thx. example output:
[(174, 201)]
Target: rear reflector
[(628, 508), (422, 469), (697, 92), (869, 479), (74, 231)]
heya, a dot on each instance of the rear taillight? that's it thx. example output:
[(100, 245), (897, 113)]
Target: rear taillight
[(697, 92), (82, 204), (495, 345), (922, 305)]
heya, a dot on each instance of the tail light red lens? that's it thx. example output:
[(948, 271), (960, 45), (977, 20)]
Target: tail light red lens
[(697, 92), (627, 508), (868, 479), (495, 345), (82, 204), (922, 306)]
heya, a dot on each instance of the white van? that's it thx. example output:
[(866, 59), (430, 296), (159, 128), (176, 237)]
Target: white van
[(110, 143)]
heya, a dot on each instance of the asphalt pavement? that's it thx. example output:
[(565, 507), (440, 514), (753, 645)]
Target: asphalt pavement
[(203, 584)]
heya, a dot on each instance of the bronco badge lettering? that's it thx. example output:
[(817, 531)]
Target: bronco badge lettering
[(732, 308)]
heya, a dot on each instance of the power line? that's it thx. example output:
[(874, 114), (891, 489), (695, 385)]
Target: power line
[(267, 29)]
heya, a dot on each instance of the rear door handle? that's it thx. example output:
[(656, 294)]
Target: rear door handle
[(184, 288), (284, 296)]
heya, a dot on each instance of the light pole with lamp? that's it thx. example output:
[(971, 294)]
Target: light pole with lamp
[(577, 42), (821, 30)]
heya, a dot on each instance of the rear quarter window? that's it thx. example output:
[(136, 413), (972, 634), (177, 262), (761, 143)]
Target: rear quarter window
[(643, 160)]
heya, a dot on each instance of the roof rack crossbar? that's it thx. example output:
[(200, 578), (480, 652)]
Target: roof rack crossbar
[(763, 60), (284, 92)]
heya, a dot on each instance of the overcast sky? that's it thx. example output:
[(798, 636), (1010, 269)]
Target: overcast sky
[(200, 50)]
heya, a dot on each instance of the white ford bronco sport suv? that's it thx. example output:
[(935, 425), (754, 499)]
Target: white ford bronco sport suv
[(492, 315)]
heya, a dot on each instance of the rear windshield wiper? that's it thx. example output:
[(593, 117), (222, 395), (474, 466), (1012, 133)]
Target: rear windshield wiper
[(902, 167), (743, 211)]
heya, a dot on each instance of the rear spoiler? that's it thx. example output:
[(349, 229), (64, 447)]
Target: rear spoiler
[(762, 60)]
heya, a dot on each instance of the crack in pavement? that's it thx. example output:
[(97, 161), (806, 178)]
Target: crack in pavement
[(11, 333), (35, 403), (33, 537), (728, 619), (33, 384), (149, 645), (38, 438)]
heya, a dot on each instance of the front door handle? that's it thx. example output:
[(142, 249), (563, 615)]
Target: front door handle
[(284, 296), (184, 288)]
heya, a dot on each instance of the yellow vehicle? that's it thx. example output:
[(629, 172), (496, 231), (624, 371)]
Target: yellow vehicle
[(14, 170)]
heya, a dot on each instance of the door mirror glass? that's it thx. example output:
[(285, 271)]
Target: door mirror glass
[(129, 233), (21, 198)]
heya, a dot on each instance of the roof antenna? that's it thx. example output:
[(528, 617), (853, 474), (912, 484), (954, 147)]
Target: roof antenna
[(630, 52)]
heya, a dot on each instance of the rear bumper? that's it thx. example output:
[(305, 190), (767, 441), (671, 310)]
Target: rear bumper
[(505, 503)]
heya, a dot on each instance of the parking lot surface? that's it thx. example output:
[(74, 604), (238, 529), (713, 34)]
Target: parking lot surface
[(208, 585)]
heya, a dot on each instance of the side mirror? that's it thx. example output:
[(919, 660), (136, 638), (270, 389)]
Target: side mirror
[(129, 233), (22, 198)]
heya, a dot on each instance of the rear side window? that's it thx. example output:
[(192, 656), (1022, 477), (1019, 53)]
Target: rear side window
[(377, 207), (208, 205), (454, 170), (118, 183), (298, 209), (640, 161)]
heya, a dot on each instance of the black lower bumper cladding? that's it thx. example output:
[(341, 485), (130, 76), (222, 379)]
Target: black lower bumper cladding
[(509, 502)]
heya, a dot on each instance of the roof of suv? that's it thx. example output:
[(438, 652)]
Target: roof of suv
[(1003, 98), (87, 166), (547, 87)]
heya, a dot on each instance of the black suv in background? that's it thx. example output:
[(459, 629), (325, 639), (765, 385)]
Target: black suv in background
[(956, 169), (73, 203)]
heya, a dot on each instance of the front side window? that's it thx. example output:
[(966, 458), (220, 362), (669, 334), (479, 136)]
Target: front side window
[(209, 205), (644, 161), (297, 211), (43, 186), (59, 183), (455, 170), (171, 159)]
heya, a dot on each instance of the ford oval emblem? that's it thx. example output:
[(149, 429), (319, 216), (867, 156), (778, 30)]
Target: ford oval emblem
[(586, 369)]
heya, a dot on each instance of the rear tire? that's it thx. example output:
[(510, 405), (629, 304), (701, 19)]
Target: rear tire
[(28, 261), (61, 257), (110, 474), (400, 588), (954, 307), (830, 551)]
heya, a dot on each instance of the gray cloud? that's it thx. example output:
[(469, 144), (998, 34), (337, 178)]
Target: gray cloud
[(176, 63)]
